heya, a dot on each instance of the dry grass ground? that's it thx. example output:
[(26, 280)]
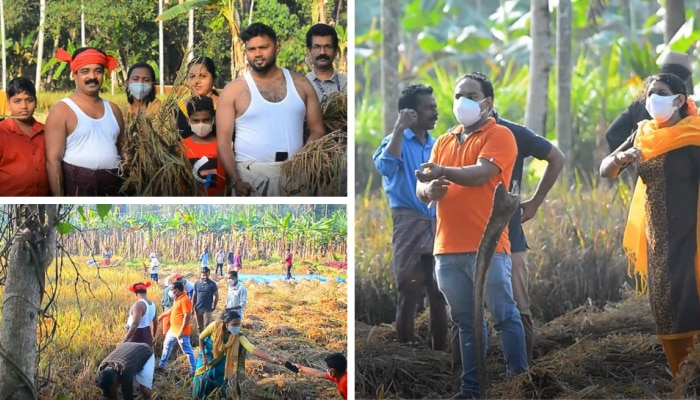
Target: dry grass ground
[(302, 322), (587, 353)]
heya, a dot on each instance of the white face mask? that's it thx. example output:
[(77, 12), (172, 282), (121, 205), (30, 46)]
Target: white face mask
[(140, 90), (661, 108), (232, 282), (467, 111), (234, 329), (202, 129), (171, 294)]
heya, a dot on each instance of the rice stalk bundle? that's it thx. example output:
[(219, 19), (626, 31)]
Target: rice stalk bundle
[(317, 169), (156, 164), (334, 108)]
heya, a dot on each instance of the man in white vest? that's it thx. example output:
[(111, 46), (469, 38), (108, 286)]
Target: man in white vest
[(263, 113)]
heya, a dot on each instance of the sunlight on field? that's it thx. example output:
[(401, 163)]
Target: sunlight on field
[(302, 322)]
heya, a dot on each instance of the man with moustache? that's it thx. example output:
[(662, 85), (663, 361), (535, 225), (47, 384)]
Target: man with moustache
[(85, 133), (267, 107), (322, 48), (398, 156)]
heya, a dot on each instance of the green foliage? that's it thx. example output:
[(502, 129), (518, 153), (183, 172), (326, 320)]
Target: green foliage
[(291, 33)]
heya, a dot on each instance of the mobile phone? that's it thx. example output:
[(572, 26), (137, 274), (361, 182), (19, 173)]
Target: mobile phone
[(281, 156), (291, 367)]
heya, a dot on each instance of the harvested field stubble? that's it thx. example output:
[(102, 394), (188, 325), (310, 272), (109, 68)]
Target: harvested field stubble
[(315, 330), (587, 353)]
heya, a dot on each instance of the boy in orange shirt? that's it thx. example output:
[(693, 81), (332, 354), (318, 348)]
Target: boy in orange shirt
[(337, 372), (200, 147), (465, 166), (22, 149)]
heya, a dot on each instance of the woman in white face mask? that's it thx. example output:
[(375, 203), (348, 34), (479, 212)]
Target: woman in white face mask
[(141, 92), (221, 357), (661, 238)]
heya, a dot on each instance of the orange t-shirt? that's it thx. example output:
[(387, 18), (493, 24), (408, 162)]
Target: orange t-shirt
[(22, 160), (206, 167), (463, 212), (341, 383), (181, 306)]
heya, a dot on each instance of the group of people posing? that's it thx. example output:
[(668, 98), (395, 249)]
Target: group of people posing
[(218, 367), (235, 139), (434, 248)]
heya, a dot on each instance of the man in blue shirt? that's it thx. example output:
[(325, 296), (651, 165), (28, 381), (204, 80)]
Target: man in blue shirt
[(398, 156)]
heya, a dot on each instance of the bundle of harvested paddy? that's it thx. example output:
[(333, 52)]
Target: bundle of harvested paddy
[(155, 163), (688, 380), (317, 169), (335, 112)]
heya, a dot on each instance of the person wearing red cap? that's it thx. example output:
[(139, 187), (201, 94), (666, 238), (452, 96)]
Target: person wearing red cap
[(85, 133), (142, 323)]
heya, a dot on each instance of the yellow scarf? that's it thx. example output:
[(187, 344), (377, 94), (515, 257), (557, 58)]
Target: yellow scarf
[(228, 349), (653, 141)]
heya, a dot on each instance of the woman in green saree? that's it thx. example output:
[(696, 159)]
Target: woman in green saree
[(221, 369)]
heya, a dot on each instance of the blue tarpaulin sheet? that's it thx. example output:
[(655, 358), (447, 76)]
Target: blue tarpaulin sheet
[(267, 278)]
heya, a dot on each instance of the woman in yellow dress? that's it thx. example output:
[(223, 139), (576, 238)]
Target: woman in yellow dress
[(221, 369)]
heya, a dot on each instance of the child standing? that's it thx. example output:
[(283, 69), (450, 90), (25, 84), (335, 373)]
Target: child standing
[(22, 146)]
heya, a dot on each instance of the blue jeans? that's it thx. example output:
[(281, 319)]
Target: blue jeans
[(455, 277), (185, 346)]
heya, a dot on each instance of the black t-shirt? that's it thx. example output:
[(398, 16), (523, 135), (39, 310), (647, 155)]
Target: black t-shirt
[(626, 123), (529, 144), (205, 295)]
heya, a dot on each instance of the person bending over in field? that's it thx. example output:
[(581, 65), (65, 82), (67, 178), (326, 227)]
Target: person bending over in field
[(127, 362), (142, 322), (221, 357), (22, 148), (336, 372)]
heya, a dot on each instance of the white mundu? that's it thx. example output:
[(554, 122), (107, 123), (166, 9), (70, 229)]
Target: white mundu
[(267, 128), (93, 142)]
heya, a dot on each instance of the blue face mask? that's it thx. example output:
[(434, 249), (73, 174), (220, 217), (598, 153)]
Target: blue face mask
[(234, 329), (140, 90)]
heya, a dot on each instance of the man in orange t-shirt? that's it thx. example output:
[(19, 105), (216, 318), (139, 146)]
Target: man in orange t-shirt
[(22, 148), (180, 315), (465, 166)]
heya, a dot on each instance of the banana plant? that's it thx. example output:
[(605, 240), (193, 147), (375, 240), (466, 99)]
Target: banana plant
[(231, 11)]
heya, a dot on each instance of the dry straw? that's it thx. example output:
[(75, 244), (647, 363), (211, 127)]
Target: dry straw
[(156, 164), (318, 168)]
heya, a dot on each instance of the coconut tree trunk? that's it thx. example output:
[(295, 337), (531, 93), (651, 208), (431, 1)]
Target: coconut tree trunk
[(563, 115), (40, 49), (160, 48), (536, 105), (31, 252), (237, 55), (674, 18), (190, 36), (389, 62), (82, 24)]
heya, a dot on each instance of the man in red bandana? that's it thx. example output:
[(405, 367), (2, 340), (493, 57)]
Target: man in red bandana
[(85, 133), (142, 324)]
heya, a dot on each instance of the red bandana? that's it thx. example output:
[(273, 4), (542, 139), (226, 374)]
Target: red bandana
[(141, 286), (89, 56)]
